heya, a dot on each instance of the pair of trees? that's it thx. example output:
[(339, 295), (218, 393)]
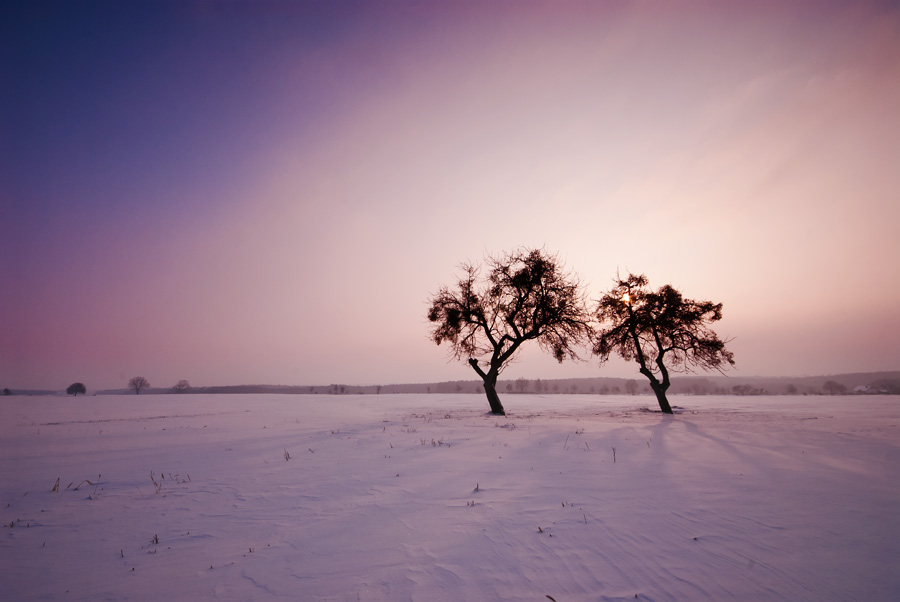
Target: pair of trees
[(527, 295), (139, 382)]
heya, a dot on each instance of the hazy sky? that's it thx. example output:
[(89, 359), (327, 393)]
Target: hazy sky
[(268, 192)]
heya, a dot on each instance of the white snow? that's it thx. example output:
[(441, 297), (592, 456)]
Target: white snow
[(733, 498)]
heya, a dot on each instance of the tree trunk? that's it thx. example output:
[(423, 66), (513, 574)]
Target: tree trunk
[(659, 388), (661, 398), (490, 390), (490, 387)]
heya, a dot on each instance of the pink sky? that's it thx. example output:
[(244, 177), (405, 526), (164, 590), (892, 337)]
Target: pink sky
[(268, 193)]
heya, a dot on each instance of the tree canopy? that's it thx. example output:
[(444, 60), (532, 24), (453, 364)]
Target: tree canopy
[(76, 388), (520, 296), (137, 383), (660, 330)]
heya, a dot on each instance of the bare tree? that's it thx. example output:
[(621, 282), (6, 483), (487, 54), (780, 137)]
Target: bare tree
[(182, 386), (834, 388), (525, 295), (137, 383), (660, 330)]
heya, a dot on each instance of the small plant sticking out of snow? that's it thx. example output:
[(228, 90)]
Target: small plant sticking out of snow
[(56, 486), (287, 455), (156, 486)]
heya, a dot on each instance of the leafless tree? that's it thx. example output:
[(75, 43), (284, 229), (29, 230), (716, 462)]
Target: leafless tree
[(834, 388), (522, 385), (660, 330), (631, 387), (182, 386), (137, 383), (524, 295)]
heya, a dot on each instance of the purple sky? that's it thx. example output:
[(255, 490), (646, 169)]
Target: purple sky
[(268, 192)]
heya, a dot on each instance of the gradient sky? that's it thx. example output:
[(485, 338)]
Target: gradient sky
[(268, 192)]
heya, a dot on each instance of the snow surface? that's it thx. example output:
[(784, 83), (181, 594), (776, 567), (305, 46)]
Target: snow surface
[(428, 498)]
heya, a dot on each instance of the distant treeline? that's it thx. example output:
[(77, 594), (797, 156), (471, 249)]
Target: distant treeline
[(886, 383)]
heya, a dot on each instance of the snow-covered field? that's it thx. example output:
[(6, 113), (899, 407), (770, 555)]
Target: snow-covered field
[(428, 498)]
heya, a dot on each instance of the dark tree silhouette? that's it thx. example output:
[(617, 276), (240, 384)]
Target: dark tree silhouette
[(182, 386), (660, 330), (76, 388), (137, 383), (525, 295), (834, 388)]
